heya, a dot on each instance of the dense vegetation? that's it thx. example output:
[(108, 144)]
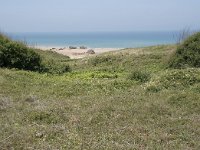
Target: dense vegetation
[(118, 100), (188, 53), (17, 55)]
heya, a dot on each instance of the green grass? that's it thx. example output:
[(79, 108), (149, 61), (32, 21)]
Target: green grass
[(51, 55), (98, 106)]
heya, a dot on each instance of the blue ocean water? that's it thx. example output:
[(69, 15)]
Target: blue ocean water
[(97, 40)]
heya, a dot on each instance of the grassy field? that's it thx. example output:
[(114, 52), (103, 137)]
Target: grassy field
[(127, 99)]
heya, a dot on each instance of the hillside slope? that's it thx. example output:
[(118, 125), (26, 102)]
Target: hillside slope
[(119, 100)]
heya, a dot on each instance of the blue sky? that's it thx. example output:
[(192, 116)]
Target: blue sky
[(98, 15)]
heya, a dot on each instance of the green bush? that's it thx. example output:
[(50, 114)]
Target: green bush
[(174, 79), (110, 59), (140, 76), (50, 66), (187, 54), (4, 39), (17, 55)]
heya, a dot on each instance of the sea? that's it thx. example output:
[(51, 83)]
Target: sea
[(97, 39)]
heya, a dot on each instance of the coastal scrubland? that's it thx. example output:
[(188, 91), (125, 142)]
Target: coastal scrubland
[(128, 99)]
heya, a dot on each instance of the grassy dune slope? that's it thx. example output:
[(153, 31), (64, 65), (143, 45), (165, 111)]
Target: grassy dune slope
[(117, 100)]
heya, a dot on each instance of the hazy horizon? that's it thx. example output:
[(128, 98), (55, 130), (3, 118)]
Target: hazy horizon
[(98, 16), (91, 32)]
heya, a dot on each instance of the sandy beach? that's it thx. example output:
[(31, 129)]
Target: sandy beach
[(78, 52)]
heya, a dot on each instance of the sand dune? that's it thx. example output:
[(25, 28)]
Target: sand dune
[(77, 53)]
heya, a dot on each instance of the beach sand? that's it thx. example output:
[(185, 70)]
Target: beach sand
[(77, 53)]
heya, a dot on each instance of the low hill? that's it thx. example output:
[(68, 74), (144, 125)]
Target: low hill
[(126, 99)]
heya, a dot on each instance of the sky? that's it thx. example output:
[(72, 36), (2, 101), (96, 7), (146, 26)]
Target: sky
[(98, 15)]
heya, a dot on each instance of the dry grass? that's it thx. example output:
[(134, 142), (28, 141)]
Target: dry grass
[(89, 109)]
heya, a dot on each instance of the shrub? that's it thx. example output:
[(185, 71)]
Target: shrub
[(53, 67), (83, 47), (174, 79), (140, 76), (72, 47), (108, 60), (187, 54), (17, 55)]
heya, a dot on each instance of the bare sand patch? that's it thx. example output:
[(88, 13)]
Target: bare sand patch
[(77, 53)]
